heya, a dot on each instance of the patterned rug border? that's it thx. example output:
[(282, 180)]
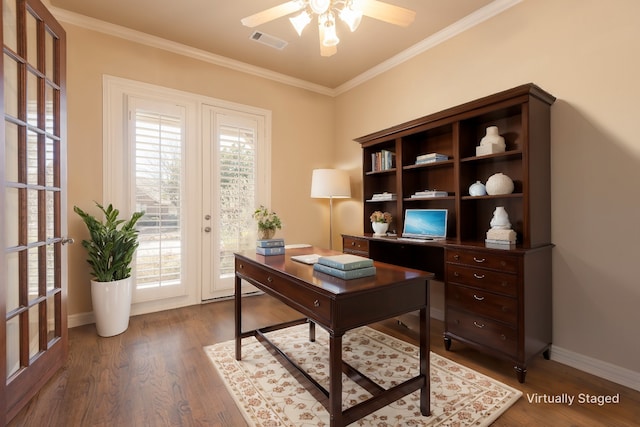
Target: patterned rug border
[(258, 383)]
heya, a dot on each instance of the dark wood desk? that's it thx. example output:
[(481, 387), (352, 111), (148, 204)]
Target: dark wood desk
[(339, 305)]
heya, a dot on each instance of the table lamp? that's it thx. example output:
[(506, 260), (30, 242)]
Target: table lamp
[(330, 184)]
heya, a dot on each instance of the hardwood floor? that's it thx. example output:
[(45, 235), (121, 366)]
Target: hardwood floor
[(156, 374)]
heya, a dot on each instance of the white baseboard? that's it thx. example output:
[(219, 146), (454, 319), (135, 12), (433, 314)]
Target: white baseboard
[(599, 368)]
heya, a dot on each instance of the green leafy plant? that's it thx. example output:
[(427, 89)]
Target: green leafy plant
[(267, 220), (112, 243)]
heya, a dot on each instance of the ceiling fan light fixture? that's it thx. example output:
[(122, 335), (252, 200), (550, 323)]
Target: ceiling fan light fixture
[(330, 38), (351, 17), (319, 6), (300, 22)]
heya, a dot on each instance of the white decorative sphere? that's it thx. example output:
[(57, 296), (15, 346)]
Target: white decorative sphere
[(499, 183)]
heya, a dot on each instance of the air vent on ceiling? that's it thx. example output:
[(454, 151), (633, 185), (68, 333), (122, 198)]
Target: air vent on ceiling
[(268, 40)]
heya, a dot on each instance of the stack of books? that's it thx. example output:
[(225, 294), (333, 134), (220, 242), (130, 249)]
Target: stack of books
[(270, 247), (345, 266), (431, 158), (429, 193), (381, 197)]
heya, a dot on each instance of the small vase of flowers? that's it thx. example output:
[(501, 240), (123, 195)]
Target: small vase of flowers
[(268, 222), (380, 222)]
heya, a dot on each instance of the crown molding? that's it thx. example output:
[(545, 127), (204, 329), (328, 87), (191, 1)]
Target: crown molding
[(492, 9), (158, 42)]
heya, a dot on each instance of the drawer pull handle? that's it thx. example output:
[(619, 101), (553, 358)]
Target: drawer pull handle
[(477, 298), (316, 303), (478, 276), (269, 279), (479, 260), (241, 266), (478, 325), (353, 243), (503, 337), (456, 257), (455, 273)]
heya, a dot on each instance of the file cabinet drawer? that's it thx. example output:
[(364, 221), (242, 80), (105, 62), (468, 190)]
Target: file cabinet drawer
[(484, 260), (482, 303), (355, 246), (503, 283), (483, 331)]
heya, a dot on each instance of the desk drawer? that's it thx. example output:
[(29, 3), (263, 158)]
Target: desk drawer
[(489, 280), (355, 245), (483, 260), (483, 331), (309, 303), (480, 302)]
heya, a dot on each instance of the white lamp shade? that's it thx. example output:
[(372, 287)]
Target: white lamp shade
[(330, 183)]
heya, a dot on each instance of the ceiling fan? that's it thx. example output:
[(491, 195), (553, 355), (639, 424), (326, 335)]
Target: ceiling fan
[(349, 11)]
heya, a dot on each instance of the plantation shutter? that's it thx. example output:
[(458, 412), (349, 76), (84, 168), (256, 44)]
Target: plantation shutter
[(237, 153), (158, 171)]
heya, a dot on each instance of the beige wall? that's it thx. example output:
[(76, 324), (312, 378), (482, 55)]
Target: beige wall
[(584, 53), (587, 55), (301, 136)]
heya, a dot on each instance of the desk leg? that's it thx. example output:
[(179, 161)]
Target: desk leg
[(238, 316), (425, 390), (335, 380), (312, 331)]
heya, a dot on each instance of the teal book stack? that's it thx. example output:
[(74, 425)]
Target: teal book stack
[(270, 247), (345, 266)]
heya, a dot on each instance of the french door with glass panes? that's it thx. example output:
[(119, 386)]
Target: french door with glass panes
[(33, 269)]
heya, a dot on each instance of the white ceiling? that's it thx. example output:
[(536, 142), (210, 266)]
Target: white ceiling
[(214, 26)]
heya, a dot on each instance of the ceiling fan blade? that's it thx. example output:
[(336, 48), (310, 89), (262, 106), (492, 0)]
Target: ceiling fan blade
[(388, 12), (326, 50), (272, 13)]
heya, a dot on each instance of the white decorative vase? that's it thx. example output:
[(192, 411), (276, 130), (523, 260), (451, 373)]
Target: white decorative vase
[(380, 228), (491, 143), (477, 189), (111, 306), (499, 183)]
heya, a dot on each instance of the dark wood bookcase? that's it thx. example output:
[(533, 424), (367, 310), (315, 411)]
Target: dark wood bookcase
[(497, 300)]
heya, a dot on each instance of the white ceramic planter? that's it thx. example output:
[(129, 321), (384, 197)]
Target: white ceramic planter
[(380, 228), (111, 306)]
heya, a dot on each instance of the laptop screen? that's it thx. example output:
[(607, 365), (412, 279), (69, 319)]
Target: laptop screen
[(425, 223)]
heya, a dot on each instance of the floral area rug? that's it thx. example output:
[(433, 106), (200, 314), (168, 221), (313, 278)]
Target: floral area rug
[(268, 395)]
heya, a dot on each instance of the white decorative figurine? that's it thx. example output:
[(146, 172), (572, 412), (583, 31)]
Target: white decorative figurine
[(501, 232), (491, 143)]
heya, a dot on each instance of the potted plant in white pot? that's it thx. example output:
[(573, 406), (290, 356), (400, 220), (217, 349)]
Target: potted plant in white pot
[(110, 249)]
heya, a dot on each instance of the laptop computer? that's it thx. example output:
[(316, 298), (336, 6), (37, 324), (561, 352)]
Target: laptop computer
[(425, 225)]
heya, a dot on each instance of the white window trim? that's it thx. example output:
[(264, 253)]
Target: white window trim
[(116, 187)]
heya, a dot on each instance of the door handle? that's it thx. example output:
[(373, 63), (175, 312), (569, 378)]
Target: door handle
[(66, 240), (207, 229)]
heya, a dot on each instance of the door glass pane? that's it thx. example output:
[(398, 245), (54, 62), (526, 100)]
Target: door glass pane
[(50, 146), (34, 331), (13, 284), (49, 55), (32, 274), (11, 152), (51, 318), (32, 40), (13, 346), (49, 109), (51, 284), (32, 216), (9, 24), (32, 158), (49, 217), (11, 217), (32, 99), (10, 86)]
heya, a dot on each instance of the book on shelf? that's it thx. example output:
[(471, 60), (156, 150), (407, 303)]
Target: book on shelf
[(269, 243), (429, 193), (430, 156), (382, 160), (345, 274), (274, 250), (380, 197), (346, 261)]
